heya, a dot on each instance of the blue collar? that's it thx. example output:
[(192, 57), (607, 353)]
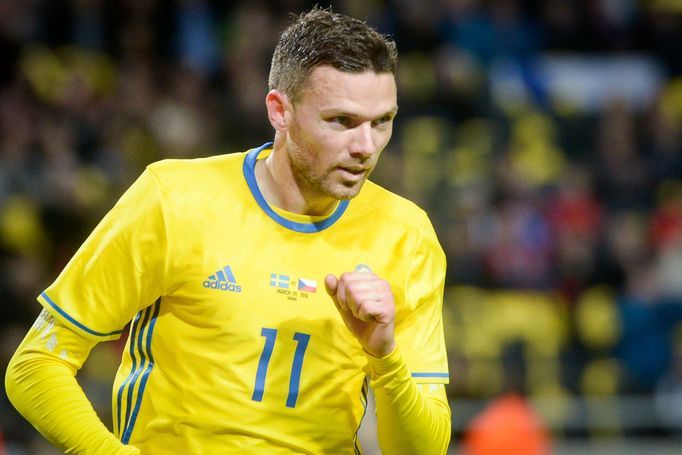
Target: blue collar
[(249, 168)]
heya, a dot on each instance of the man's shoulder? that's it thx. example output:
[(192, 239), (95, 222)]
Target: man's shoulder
[(196, 169), (188, 181), (389, 205), (392, 216)]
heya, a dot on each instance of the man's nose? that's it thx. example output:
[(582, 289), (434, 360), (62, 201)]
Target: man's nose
[(363, 141)]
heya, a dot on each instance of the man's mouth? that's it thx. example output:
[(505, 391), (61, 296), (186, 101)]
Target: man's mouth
[(354, 170), (353, 173)]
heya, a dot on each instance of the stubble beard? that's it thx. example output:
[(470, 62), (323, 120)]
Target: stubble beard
[(322, 184), (302, 155)]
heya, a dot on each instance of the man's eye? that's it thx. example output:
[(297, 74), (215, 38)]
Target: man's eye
[(342, 120), (382, 121)]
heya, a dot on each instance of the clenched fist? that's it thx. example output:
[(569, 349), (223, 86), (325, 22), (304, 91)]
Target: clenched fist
[(365, 302)]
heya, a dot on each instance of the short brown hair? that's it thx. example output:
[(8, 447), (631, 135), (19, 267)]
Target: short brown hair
[(320, 37)]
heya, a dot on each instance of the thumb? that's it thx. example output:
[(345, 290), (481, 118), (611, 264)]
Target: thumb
[(331, 283)]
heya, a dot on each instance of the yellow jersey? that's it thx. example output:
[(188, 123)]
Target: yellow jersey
[(234, 345)]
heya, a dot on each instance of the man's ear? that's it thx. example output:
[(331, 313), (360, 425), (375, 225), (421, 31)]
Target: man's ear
[(278, 105)]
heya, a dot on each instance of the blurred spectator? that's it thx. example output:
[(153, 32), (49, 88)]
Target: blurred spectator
[(518, 249), (197, 39), (508, 425), (623, 175), (647, 321), (668, 392), (576, 217)]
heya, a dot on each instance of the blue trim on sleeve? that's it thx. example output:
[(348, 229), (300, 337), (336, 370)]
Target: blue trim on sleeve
[(76, 323), (363, 400), (136, 346), (139, 375), (431, 375), (145, 376), (120, 424), (250, 175)]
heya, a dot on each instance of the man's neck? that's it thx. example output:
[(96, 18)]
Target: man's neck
[(280, 188)]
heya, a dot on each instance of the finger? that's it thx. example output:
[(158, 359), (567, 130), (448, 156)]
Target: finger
[(363, 311), (359, 300), (373, 311), (335, 290), (331, 283)]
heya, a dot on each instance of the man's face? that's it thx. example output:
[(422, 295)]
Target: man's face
[(338, 126)]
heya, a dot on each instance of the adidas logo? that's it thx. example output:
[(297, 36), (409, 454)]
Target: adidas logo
[(223, 280)]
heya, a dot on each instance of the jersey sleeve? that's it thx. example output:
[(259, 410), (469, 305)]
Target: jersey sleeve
[(419, 324), (411, 418), (40, 382), (119, 269)]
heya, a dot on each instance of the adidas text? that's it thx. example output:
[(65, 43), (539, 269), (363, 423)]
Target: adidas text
[(222, 286)]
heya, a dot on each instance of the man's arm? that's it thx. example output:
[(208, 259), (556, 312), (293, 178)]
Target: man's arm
[(410, 421), (411, 418), (41, 383)]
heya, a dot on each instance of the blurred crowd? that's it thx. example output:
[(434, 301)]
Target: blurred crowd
[(543, 137)]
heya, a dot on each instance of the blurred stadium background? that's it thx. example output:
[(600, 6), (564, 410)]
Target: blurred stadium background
[(543, 137)]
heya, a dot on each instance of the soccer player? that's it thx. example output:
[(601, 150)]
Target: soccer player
[(265, 290)]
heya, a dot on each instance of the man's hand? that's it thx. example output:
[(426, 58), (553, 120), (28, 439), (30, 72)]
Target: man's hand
[(365, 302)]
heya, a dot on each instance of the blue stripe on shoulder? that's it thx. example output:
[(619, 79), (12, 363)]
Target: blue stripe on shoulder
[(250, 176), (431, 375), (76, 323)]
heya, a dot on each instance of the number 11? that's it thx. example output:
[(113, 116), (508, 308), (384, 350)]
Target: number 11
[(296, 366)]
